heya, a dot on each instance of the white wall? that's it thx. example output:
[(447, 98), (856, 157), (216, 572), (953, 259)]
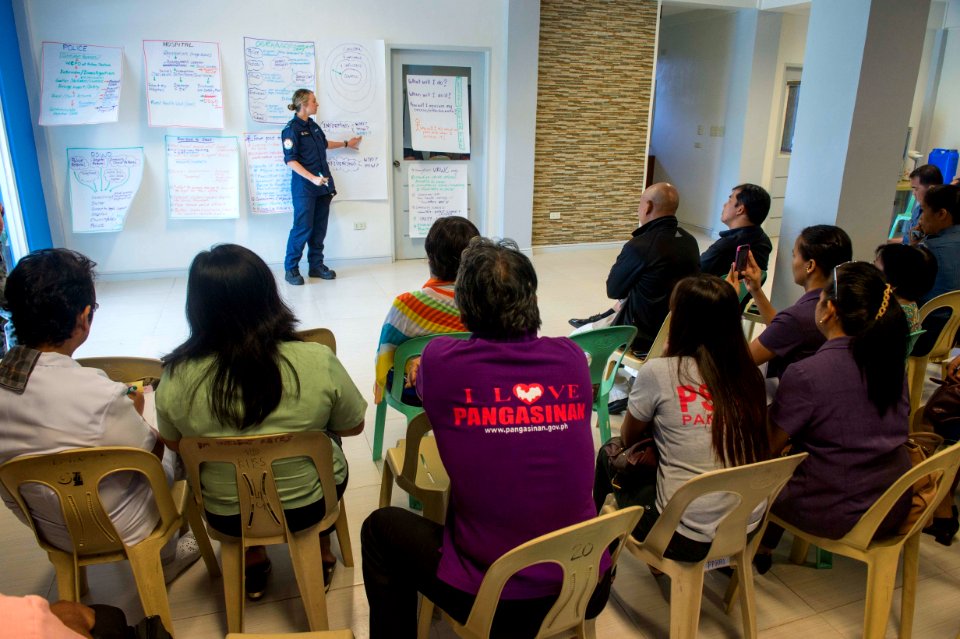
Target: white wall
[(693, 74), (945, 124), (150, 242)]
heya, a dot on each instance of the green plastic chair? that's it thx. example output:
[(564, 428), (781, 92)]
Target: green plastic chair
[(912, 340), (601, 344), (394, 397), (905, 216)]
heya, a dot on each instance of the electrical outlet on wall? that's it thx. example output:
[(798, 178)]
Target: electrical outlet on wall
[(359, 226), (554, 216)]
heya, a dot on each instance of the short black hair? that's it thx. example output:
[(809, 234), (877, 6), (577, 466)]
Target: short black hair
[(826, 245), (928, 174), (496, 289), (445, 242), (906, 269), (46, 292), (755, 200), (944, 196)]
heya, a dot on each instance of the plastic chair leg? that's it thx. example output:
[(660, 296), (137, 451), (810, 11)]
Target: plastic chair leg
[(881, 574), (603, 418), (798, 554), (822, 559), (203, 540), (378, 425), (68, 578), (148, 574), (343, 535), (686, 592), (414, 503), (589, 629), (908, 601), (305, 556), (425, 619), (386, 486), (744, 575), (231, 553)]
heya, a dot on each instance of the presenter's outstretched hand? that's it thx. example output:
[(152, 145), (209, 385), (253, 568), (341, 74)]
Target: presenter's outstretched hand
[(354, 143)]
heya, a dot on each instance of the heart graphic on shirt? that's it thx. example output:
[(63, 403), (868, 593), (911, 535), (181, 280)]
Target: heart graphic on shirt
[(528, 394)]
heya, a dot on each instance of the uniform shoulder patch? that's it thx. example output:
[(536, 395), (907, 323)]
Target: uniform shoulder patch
[(287, 143)]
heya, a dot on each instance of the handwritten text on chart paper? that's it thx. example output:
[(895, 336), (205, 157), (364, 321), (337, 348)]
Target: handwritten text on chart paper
[(103, 183), (268, 178), (436, 189), (203, 177), (80, 84), (274, 70), (439, 113), (184, 86)]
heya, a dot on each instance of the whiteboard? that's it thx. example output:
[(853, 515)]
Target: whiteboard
[(184, 86), (274, 70), (103, 183), (439, 113), (268, 178), (437, 189), (203, 177), (352, 101), (80, 84)]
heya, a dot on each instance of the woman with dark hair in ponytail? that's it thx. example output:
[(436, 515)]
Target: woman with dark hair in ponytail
[(704, 403), (244, 371), (847, 407)]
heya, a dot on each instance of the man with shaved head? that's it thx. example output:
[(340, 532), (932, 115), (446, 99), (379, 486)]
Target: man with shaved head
[(649, 265)]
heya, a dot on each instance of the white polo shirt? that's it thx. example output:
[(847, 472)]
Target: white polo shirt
[(64, 406)]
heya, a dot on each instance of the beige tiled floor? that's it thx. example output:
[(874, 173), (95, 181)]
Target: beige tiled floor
[(146, 318)]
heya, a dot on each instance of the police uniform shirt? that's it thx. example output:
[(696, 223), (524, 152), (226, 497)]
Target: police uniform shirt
[(305, 142)]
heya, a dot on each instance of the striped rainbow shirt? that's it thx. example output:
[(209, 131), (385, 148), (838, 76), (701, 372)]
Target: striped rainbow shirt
[(425, 312)]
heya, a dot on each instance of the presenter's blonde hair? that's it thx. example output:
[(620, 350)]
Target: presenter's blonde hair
[(299, 97)]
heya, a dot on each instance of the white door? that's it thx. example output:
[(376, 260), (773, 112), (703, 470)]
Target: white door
[(471, 65)]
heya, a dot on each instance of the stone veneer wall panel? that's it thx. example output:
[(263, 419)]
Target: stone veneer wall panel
[(593, 105)]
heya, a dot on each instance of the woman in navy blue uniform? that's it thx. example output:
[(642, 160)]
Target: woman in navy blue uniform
[(305, 152)]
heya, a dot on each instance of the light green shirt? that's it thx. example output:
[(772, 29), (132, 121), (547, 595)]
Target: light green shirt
[(328, 401)]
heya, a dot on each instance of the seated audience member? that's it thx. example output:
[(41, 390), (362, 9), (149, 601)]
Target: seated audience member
[(940, 224), (921, 179), (792, 333), (909, 272), (431, 309), (243, 371), (743, 213), (511, 415), (659, 255), (49, 403), (704, 403), (847, 407)]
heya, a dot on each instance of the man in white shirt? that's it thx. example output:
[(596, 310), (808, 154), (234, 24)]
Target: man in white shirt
[(49, 403)]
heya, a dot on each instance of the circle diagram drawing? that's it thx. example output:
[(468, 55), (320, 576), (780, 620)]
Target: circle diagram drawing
[(351, 77)]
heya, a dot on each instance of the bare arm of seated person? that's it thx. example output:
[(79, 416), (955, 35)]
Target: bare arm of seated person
[(75, 616), (778, 439), (632, 429), (760, 353)]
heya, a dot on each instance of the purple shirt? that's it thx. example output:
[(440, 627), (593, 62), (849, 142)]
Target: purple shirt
[(793, 334), (855, 452), (512, 422)]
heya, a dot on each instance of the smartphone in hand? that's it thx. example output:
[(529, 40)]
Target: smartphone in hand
[(740, 263)]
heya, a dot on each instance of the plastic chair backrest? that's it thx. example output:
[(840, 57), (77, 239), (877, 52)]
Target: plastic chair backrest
[(125, 369), (744, 296), (417, 429), (261, 509), (941, 348), (600, 344), (660, 341), (941, 465), (320, 336), (320, 634), (752, 483), (577, 550), (407, 351), (74, 476)]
